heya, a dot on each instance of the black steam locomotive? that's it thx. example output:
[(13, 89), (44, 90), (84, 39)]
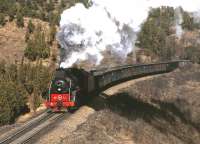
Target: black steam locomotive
[(71, 87)]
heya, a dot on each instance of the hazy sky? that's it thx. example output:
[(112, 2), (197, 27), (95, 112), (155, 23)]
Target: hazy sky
[(137, 10)]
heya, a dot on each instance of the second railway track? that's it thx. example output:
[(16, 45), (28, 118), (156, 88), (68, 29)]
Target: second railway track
[(25, 133)]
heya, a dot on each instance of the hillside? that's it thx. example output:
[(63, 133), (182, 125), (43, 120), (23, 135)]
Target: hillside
[(167, 46), (160, 35), (161, 110), (12, 39), (27, 37), (12, 42)]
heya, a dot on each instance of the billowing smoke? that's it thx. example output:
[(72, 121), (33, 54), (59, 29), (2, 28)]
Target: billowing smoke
[(85, 33), (178, 22), (110, 25)]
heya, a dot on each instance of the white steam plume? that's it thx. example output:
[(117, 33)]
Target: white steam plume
[(107, 25), (179, 21)]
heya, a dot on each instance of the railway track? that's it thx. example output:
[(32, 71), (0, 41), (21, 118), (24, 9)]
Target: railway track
[(25, 133)]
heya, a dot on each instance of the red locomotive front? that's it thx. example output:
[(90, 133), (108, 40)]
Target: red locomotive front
[(62, 93)]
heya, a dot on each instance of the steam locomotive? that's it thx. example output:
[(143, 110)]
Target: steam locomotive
[(72, 87)]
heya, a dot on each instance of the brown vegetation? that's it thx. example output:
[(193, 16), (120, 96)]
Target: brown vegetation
[(162, 110), (21, 88), (12, 42)]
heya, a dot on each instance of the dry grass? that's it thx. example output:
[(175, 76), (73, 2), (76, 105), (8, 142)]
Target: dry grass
[(12, 41), (162, 110)]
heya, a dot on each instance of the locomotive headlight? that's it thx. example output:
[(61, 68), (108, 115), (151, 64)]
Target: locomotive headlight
[(59, 89)]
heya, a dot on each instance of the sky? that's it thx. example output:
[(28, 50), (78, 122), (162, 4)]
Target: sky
[(136, 11)]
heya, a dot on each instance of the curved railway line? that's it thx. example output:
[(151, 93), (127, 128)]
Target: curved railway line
[(25, 133), (95, 81)]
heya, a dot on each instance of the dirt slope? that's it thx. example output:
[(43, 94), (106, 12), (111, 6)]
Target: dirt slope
[(12, 40), (162, 110)]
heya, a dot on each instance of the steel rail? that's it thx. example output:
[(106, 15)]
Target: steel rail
[(26, 138), (26, 127)]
